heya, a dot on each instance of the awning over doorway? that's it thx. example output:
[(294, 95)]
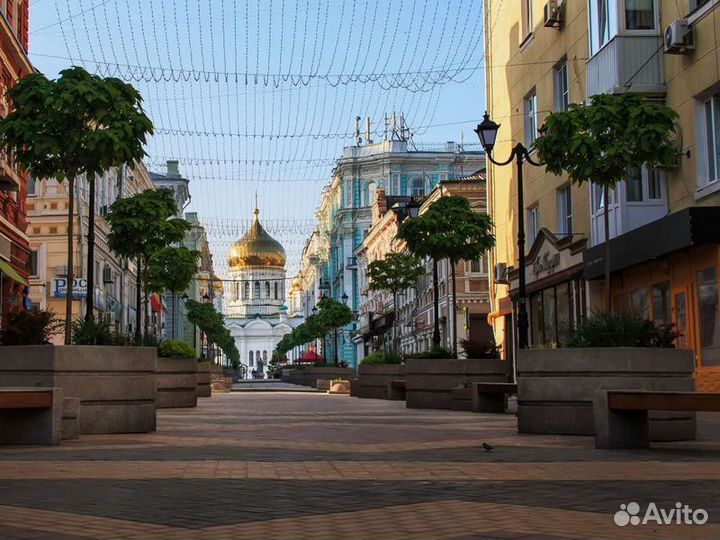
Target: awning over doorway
[(689, 227), (10, 272)]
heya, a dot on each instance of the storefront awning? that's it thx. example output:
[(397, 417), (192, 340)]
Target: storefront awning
[(689, 227), (10, 272)]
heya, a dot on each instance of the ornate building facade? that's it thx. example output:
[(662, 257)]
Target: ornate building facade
[(256, 314)]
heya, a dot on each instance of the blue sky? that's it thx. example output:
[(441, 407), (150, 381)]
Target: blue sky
[(261, 95)]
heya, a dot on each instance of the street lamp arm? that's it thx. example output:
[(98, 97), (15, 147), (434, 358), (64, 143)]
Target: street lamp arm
[(530, 160), (501, 163)]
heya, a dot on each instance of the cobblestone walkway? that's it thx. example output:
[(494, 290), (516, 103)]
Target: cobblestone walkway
[(281, 465)]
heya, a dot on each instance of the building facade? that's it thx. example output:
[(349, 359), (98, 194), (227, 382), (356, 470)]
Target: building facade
[(400, 168), (663, 237), (115, 289), (15, 255), (255, 310)]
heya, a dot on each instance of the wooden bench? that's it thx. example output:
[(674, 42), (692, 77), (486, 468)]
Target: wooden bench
[(30, 415), (396, 390), (621, 416), (491, 397)]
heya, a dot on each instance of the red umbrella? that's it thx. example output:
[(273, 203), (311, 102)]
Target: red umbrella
[(309, 356)]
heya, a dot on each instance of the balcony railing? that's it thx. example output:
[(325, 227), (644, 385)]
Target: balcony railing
[(627, 63)]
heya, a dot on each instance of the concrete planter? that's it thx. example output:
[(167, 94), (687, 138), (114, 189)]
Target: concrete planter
[(115, 385), (309, 376), (429, 383), (556, 387), (372, 380), (176, 383), (203, 379)]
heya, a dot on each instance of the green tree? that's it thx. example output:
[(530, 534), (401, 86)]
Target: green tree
[(600, 142), (212, 324), (78, 124), (331, 316), (140, 226), (172, 268), (395, 273), (463, 234)]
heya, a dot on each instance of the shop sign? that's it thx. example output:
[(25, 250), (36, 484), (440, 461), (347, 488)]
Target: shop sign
[(79, 289)]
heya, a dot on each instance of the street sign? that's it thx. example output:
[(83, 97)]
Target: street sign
[(59, 289)]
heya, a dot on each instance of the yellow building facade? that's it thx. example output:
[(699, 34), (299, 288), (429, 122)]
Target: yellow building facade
[(664, 236)]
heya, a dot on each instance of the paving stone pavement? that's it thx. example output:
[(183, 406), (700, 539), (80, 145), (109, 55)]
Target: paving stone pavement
[(314, 466)]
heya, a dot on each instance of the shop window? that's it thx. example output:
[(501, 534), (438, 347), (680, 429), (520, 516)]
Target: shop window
[(552, 314), (639, 303), (549, 313), (709, 320), (661, 303)]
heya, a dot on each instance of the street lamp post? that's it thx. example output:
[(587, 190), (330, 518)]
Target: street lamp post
[(487, 133)]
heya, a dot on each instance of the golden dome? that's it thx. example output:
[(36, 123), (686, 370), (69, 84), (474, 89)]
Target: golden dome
[(256, 248)]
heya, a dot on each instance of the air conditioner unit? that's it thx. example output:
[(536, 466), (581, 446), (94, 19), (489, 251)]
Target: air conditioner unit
[(107, 275), (554, 14), (679, 38), (501, 273)]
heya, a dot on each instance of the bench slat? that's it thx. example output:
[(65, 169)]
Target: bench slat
[(25, 400), (663, 401)]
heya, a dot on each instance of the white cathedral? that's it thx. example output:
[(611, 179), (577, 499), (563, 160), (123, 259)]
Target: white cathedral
[(256, 315)]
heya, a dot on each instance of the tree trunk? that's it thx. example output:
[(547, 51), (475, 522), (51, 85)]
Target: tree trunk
[(436, 306), (454, 310), (70, 252), (172, 331), (394, 325), (90, 303), (146, 302), (138, 302), (606, 212)]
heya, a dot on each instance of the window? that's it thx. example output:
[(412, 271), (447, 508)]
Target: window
[(709, 320), (639, 14), (530, 118), (31, 187), (562, 86), (478, 266), (654, 184), (527, 17), (712, 138), (660, 293), (564, 210), (33, 263), (533, 224), (639, 303), (417, 189), (695, 4), (251, 358), (246, 291), (603, 25), (257, 289), (395, 185), (267, 289), (276, 290), (634, 185)]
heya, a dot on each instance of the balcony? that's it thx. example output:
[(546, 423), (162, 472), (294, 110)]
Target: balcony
[(627, 63)]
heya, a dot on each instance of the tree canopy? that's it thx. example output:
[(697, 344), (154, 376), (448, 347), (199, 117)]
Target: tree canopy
[(212, 323), (77, 124), (172, 268), (396, 272)]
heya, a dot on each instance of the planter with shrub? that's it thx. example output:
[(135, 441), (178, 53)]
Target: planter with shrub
[(607, 351), (375, 372), (176, 375), (204, 378)]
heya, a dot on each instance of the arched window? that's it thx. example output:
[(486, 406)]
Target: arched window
[(257, 289), (237, 291), (246, 291), (372, 188), (257, 356), (251, 358), (267, 289), (276, 290), (416, 187), (264, 355)]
